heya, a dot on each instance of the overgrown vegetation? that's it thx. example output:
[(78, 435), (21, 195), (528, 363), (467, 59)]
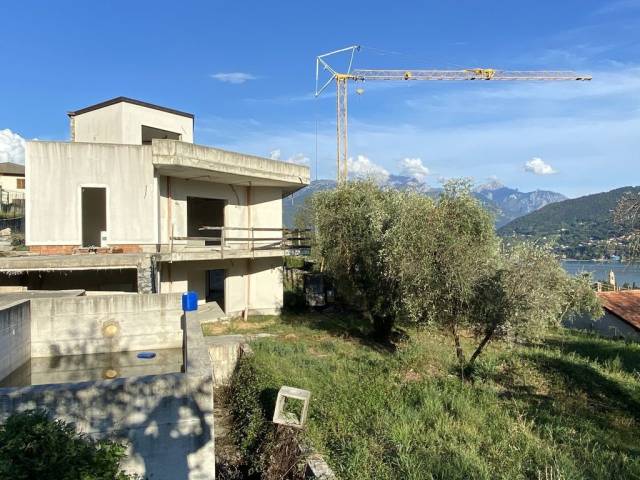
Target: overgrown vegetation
[(565, 407), (32, 446), (398, 256)]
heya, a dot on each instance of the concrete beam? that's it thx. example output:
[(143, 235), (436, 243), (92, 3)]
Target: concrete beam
[(72, 262), (185, 160)]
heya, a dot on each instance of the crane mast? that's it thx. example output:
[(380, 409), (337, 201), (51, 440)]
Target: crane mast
[(362, 75)]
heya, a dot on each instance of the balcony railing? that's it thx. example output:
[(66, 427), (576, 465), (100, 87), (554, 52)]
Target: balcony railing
[(252, 239)]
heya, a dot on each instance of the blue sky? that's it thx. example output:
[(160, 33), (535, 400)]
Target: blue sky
[(577, 138)]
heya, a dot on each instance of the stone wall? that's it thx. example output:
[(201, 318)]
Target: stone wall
[(105, 323), (15, 336)]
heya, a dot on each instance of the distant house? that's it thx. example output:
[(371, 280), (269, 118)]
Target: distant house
[(621, 317), (11, 176)]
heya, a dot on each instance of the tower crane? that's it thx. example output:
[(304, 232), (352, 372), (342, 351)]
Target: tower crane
[(362, 75)]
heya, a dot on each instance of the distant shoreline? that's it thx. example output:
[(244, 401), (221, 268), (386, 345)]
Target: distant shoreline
[(593, 260)]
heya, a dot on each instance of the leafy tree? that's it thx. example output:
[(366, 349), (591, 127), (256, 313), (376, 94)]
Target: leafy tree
[(34, 447), (400, 255), (526, 293), (627, 214), (451, 273), (351, 224), (440, 252)]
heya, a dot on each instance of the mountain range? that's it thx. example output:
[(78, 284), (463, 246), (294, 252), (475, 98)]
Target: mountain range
[(505, 203), (572, 222)]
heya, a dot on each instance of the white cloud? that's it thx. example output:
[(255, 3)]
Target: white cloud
[(413, 167), (233, 77), (363, 167), (465, 133), (299, 158), (275, 154), (538, 166), (11, 147)]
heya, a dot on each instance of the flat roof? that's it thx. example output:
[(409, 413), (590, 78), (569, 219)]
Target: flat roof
[(132, 101)]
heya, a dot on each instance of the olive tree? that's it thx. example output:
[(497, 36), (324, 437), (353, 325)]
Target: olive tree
[(451, 272), (403, 256), (351, 224), (440, 251), (526, 293)]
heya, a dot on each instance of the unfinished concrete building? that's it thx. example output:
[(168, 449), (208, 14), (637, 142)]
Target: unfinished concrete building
[(131, 204)]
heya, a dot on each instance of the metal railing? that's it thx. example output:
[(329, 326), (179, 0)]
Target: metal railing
[(291, 241)]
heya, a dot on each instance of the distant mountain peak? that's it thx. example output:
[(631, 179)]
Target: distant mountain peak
[(491, 185), (504, 202)]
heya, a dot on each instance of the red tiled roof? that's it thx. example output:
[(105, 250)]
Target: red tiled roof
[(624, 304)]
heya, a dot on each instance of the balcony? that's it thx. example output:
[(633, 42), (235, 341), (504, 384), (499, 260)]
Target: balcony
[(238, 242)]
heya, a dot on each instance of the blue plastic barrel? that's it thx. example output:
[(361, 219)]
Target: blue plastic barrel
[(189, 301)]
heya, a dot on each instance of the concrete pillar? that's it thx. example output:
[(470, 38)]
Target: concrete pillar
[(145, 276)]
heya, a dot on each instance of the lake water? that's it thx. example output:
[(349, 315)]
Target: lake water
[(625, 273)]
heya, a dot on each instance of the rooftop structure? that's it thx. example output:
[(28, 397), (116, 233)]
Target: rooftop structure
[(624, 304), (621, 318), (132, 204)]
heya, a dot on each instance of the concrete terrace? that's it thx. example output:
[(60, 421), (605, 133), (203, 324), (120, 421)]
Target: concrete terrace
[(187, 160)]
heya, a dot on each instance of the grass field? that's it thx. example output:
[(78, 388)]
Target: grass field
[(568, 408)]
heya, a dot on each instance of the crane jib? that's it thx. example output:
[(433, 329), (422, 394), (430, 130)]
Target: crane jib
[(342, 78), (468, 74)]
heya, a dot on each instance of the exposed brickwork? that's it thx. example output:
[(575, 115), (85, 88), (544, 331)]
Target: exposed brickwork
[(126, 248), (71, 249), (52, 249)]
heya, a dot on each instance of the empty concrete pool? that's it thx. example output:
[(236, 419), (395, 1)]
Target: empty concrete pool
[(97, 366), (78, 358)]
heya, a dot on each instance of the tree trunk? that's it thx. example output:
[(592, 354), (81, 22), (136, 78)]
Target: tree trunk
[(459, 351), (483, 344)]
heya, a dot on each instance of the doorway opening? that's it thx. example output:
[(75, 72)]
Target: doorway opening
[(205, 212), (94, 215), (215, 287)]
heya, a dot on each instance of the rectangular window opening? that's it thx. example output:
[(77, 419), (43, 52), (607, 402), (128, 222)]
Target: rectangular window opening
[(149, 133), (204, 217)]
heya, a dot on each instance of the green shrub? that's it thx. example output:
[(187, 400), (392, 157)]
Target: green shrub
[(252, 402), (32, 446), (294, 262)]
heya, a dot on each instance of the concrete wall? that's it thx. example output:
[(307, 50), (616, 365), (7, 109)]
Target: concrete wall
[(166, 420), (100, 126), (134, 116), (57, 171), (245, 207), (122, 123), (609, 325), (109, 323), (139, 211), (15, 336), (261, 278)]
